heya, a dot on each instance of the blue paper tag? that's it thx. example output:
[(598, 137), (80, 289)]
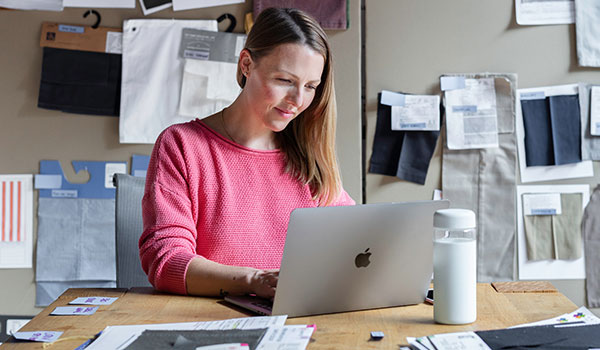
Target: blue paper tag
[(463, 109), (535, 95), (70, 29), (390, 98), (452, 83), (413, 125), (543, 211)]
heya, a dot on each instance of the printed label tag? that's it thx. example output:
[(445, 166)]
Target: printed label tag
[(70, 29), (74, 310), (542, 204), (41, 336), (110, 170), (64, 194), (93, 301)]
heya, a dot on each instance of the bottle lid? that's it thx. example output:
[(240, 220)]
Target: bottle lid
[(454, 219)]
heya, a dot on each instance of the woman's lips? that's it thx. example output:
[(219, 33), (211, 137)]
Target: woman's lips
[(285, 113)]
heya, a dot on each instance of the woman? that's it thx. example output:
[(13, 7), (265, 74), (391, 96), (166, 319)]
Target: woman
[(219, 191)]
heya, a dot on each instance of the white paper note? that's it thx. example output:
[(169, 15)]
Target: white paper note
[(293, 337), (100, 3), (595, 111), (458, 341), (545, 11), (74, 310), (472, 121), (13, 325), (179, 5), (93, 301), (419, 112), (542, 204), (41, 336), (110, 170)]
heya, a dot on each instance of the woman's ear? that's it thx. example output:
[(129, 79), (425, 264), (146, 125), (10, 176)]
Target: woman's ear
[(245, 62)]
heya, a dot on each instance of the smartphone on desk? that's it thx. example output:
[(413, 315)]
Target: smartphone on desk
[(429, 296)]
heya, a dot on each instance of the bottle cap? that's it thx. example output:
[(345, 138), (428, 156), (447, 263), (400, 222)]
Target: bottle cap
[(454, 219)]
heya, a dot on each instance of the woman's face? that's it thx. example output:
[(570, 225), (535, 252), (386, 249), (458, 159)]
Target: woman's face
[(282, 84)]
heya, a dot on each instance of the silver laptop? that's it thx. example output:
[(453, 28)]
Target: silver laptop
[(348, 258)]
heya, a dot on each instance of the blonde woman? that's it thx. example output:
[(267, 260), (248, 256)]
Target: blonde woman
[(219, 191)]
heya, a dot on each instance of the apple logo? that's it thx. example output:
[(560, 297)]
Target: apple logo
[(362, 259)]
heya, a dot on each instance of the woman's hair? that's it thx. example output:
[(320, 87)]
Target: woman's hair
[(309, 140)]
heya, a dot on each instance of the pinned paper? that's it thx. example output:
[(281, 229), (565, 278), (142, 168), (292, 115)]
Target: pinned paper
[(542, 204), (452, 83), (93, 301), (419, 112), (41, 336), (595, 111), (74, 310), (47, 181), (390, 98)]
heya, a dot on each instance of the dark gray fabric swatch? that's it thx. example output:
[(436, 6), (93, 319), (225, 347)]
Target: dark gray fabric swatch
[(189, 340), (590, 225), (405, 154), (566, 128), (539, 150)]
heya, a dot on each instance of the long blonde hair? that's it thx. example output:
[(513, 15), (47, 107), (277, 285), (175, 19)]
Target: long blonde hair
[(309, 140)]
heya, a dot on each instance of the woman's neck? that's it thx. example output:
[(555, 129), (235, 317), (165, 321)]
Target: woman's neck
[(242, 127)]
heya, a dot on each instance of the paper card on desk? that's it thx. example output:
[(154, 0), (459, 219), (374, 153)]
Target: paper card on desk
[(457, 341), (293, 337), (211, 46), (581, 316), (74, 311), (41, 336), (93, 301), (471, 118), (419, 112), (84, 38), (542, 204), (595, 111)]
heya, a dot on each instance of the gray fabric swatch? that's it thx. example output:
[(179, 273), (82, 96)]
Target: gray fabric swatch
[(538, 237), (587, 29), (47, 292), (590, 145), (590, 225), (189, 340), (76, 240), (567, 228), (484, 180)]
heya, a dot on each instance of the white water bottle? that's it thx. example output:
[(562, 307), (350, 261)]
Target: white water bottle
[(454, 266)]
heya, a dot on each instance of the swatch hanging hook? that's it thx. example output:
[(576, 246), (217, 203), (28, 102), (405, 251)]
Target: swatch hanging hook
[(232, 20), (98, 17)]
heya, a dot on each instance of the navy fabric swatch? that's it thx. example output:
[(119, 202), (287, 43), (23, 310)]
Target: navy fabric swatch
[(404, 154), (539, 150), (566, 128), (80, 82)]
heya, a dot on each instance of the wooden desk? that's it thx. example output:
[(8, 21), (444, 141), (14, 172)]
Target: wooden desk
[(352, 329)]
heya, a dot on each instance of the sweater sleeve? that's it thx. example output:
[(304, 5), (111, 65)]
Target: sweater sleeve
[(344, 199), (168, 242)]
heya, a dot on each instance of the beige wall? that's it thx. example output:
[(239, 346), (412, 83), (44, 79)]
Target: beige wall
[(29, 134), (409, 44)]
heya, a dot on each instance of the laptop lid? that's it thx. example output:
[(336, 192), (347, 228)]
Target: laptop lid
[(358, 257)]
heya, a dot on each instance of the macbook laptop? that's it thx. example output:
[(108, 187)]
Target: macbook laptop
[(348, 258)]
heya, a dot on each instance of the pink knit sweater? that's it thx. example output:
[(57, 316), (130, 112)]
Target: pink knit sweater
[(207, 196)]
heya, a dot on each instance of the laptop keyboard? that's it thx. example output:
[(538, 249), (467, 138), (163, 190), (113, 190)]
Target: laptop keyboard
[(264, 305)]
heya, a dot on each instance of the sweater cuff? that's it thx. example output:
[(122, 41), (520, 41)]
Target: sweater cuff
[(174, 278)]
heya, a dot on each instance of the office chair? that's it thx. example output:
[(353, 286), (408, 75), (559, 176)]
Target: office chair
[(129, 227)]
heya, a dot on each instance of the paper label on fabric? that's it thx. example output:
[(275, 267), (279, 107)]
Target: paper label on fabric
[(213, 46), (390, 98), (595, 110), (472, 120), (64, 194), (461, 340), (110, 170), (114, 42), (47, 181), (534, 95), (542, 204), (419, 112), (74, 310), (41, 336), (93, 301), (70, 29), (452, 83)]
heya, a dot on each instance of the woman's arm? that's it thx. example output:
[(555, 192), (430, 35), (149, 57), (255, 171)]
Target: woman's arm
[(208, 278)]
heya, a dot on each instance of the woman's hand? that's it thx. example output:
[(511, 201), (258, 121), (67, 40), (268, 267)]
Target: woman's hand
[(263, 282)]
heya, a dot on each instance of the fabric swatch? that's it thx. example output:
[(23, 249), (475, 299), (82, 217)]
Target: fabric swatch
[(331, 14)]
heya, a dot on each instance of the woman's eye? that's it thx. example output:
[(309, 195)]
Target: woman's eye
[(285, 80), (311, 87)]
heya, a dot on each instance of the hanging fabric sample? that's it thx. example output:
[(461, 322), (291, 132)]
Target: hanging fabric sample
[(587, 29), (551, 233), (152, 76), (404, 154), (590, 226), (483, 180), (209, 76), (76, 220), (589, 104), (331, 14), (16, 221), (81, 82)]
